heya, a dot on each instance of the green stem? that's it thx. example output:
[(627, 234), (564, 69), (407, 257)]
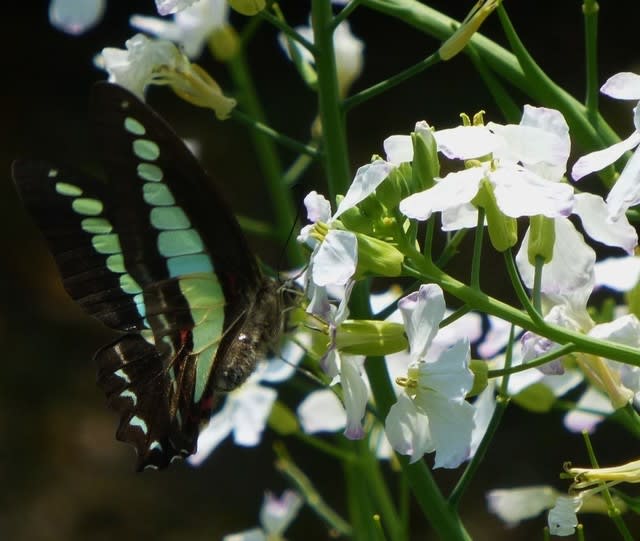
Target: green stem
[(539, 361), (505, 64), (345, 12), (519, 289), (590, 10), (395, 80), (288, 468), (444, 520), (380, 492), (286, 29), (477, 251), (281, 201), (284, 140), (501, 405), (480, 301), (331, 115)]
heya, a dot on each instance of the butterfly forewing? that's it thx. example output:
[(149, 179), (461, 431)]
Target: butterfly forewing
[(162, 257)]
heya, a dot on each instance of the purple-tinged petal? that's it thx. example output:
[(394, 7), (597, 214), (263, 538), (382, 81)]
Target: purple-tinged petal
[(318, 207)]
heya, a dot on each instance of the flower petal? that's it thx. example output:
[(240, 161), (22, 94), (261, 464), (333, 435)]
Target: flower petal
[(277, 513), (355, 395), (562, 519), (578, 420), (466, 142), (318, 207), (449, 375), (75, 17), (618, 273), (336, 259), (451, 423), (626, 191), (516, 504), (321, 411), (595, 161), (451, 191), (367, 179), (520, 192), (407, 429), (594, 214), (398, 148), (622, 86), (251, 413), (422, 311)]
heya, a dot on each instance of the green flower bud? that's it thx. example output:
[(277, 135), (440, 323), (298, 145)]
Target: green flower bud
[(282, 420), (480, 371), (426, 166), (224, 43), (370, 337), (537, 398), (247, 7), (542, 238), (377, 257), (503, 230), (396, 187)]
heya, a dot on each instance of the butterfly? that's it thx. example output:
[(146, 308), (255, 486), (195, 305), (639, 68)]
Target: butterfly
[(156, 254)]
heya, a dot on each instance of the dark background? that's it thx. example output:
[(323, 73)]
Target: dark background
[(62, 474)]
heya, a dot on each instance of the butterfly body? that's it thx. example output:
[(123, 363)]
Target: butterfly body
[(156, 254)]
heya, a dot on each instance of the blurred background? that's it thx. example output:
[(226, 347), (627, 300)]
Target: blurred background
[(62, 473)]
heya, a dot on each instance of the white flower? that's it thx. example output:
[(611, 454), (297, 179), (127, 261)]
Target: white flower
[(528, 161), (276, 515), (562, 519), (76, 17), (246, 409), (516, 504), (335, 254), (136, 66), (432, 414), (626, 191), (344, 369), (159, 62), (167, 7), (190, 27), (348, 51)]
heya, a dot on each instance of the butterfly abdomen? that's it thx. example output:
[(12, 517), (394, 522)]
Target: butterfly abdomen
[(255, 334)]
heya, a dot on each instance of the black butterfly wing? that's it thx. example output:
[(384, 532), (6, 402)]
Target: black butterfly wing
[(74, 215), (186, 283)]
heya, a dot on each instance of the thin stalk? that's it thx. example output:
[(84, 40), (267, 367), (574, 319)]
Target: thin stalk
[(477, 251), (281, 200), (383, 86), (332, 118), (590, 10)]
